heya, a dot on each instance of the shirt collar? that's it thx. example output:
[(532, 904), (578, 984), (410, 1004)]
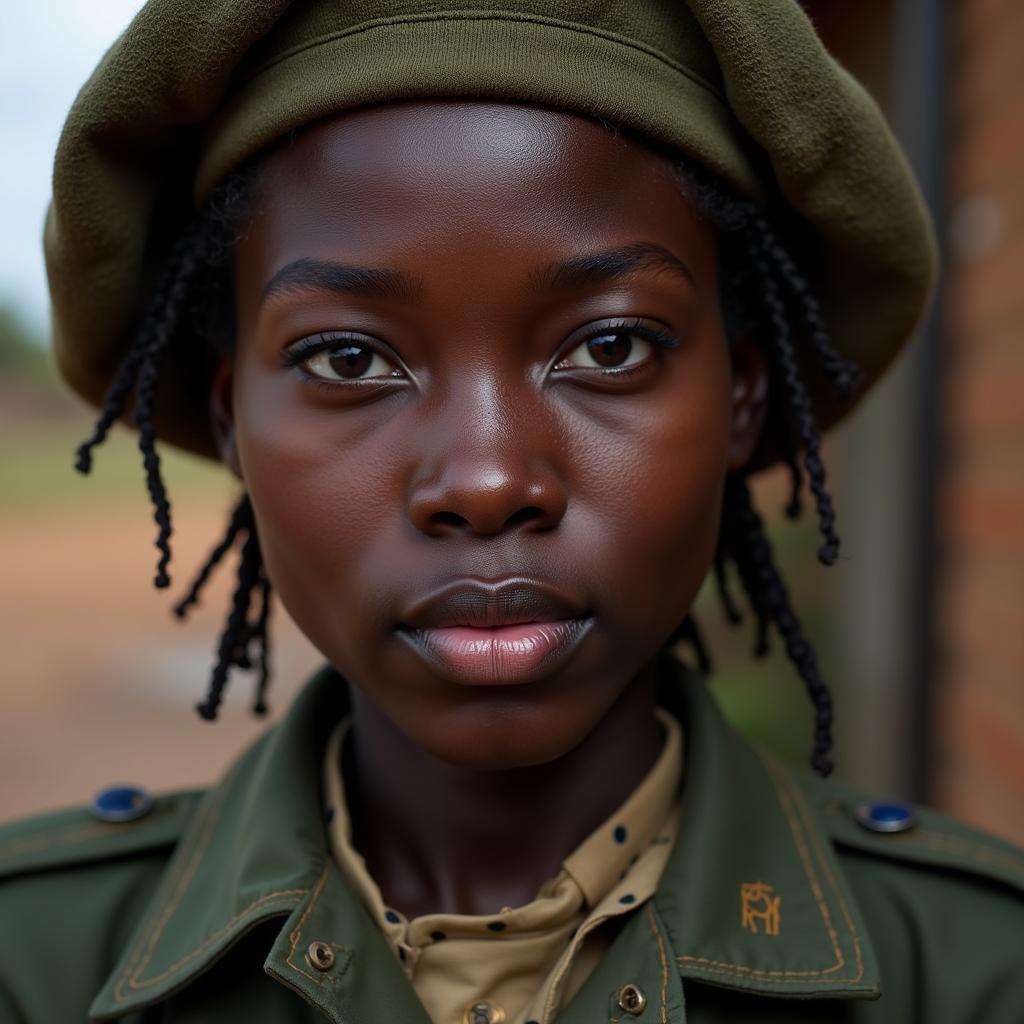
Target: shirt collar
[(748, 847), (601, 859)]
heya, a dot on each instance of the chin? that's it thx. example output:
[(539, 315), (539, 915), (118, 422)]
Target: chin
[(502, 734)]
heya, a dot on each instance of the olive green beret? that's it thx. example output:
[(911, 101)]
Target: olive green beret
[(194, 87)]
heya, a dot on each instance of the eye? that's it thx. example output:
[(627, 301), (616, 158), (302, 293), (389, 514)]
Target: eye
[(341, 358), (608, 351), (616, 347)]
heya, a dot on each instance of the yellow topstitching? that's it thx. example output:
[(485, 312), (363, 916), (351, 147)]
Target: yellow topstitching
[(786, 802)]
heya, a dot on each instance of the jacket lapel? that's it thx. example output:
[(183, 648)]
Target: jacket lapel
[(752, 897), (255, 850)]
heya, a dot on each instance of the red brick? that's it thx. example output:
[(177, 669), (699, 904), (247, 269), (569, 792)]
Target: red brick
[(989, 518), (976, 21), (991, 143), (985, 395), (966, 789), (986, 68), (984, 295), (980, 627), (984, 728)]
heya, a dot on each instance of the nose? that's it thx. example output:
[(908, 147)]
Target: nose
[(487, 471)]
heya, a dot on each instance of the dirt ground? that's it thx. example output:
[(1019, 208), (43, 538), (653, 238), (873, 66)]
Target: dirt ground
[(99, 680)]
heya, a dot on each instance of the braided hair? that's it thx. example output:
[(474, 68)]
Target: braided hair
[(762, 287)]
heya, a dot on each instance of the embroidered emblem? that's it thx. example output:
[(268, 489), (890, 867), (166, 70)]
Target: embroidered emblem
[(760, 904)]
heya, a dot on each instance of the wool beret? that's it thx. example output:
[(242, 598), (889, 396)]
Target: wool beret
[(192, 88)]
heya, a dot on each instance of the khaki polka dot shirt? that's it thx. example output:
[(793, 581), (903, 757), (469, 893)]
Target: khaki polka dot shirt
[(521, 964)]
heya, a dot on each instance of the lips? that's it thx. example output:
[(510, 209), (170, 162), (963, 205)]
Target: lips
[(491, 634)]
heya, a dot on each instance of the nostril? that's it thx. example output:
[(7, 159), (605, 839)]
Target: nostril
[(525, 515), (448, 519)]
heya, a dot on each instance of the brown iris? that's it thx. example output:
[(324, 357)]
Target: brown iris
[(610, 349), (350, 361)]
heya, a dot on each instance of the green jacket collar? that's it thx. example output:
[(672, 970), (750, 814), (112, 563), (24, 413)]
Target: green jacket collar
[(752, 897)]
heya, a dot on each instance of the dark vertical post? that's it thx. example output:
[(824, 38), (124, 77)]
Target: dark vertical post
[(921, 69)]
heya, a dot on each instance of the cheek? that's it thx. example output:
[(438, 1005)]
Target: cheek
[(662, 478), (321, 503)]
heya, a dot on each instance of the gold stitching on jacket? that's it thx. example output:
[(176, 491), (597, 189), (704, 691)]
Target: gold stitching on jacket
[(296, 934), (944, 842), (144, 950), (970, 848), (147, 945), (77, 833), (769, 913), (664, 962), (786, 797), (823, 860)]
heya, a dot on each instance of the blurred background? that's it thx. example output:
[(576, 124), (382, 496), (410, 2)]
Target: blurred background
[(920, 627)]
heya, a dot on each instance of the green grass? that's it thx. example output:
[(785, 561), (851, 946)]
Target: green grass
[(37, 471)]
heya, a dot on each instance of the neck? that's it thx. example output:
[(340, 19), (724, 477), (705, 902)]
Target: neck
[(444, 839)]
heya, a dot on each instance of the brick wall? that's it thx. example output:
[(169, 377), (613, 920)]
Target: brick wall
[(980, 706)]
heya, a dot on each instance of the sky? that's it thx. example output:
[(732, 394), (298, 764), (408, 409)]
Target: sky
[(47, 50)]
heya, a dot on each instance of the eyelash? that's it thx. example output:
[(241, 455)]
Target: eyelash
[(660, 338), (304, 350)]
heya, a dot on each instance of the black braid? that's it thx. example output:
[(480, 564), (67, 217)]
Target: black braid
[(116, 398), (690, 633), (141, 367), (241, 516), (840, 372), (239, 631), (190, 262), (262, 635), (800, 403), (113, 405), (788, 455), (753, 262), (751, 551), (729, 606), (187, 296)]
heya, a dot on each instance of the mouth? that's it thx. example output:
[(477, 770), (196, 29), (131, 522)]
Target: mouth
[(511, 632)]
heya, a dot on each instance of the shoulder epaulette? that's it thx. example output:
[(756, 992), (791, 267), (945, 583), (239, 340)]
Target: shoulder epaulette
[(63, 838), (923, 837)]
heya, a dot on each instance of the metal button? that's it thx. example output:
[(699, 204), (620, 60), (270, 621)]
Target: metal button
[(886, 816), (632, 999), (321, 956), (483, 1012), (121, 803)]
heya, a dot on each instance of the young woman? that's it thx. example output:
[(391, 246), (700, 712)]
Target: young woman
[(492, 313)]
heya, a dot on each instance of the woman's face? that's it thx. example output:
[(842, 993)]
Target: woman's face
[(484, 407)]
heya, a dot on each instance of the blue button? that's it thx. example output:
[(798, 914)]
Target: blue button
[(121, 803), (886, 816)]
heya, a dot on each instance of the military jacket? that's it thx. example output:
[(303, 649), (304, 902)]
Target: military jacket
[(776, 904)]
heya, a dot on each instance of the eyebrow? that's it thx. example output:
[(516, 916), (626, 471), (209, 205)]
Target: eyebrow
[(305, 275), (602, 267)]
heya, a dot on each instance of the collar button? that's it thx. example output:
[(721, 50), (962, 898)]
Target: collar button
[(632, 999), (482, 1012), (320, 955)]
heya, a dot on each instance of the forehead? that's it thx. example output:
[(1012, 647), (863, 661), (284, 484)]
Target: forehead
[(410, 173)]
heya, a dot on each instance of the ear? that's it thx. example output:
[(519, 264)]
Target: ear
[(222, 415), (749, 400)]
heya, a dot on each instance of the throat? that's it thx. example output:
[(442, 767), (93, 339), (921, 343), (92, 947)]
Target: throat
[(437, 838)]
